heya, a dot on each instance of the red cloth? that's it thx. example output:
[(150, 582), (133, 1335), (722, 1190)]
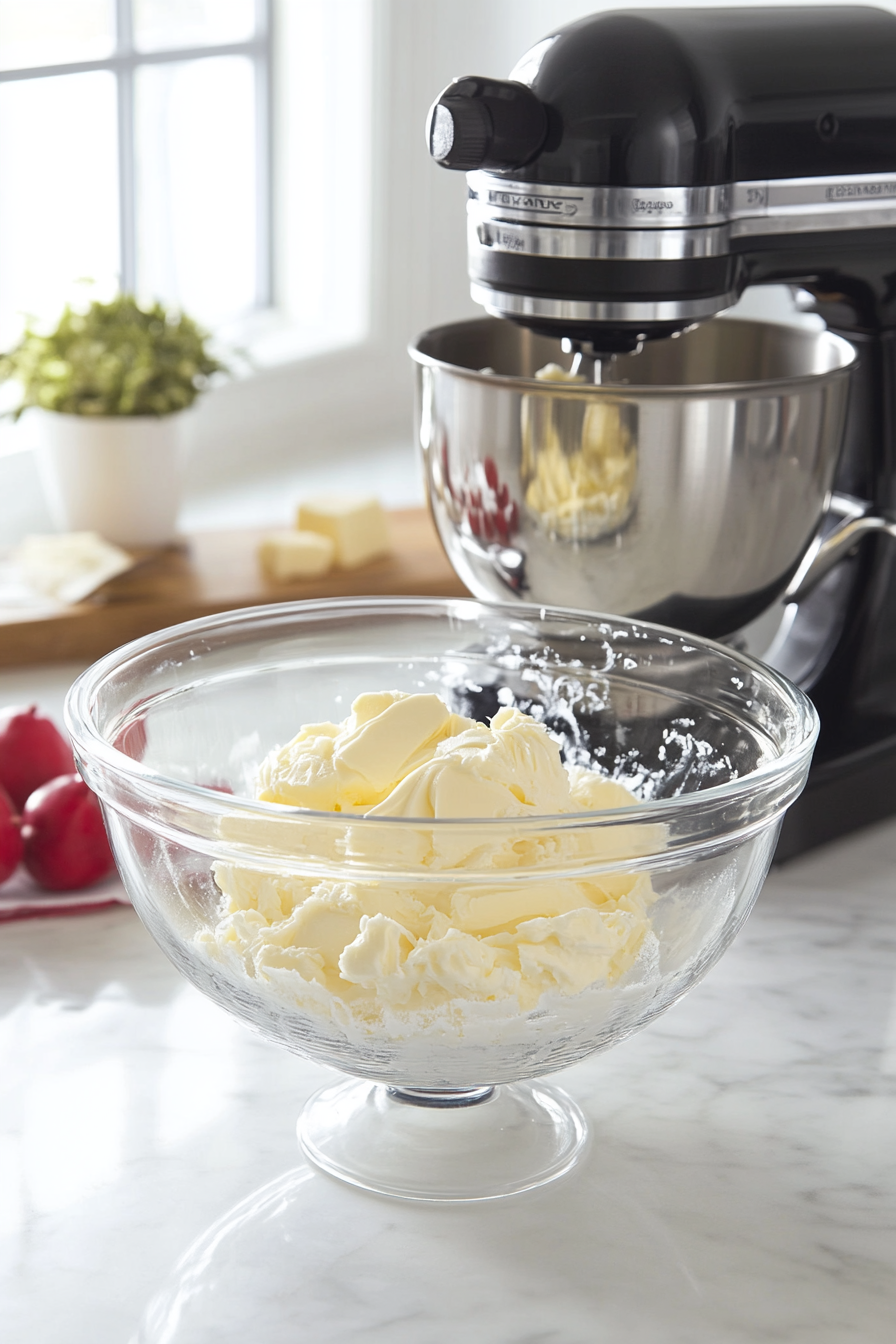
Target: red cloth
[(22, 898)]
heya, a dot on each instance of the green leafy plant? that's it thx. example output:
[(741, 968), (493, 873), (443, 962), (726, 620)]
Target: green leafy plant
[(116, 358)]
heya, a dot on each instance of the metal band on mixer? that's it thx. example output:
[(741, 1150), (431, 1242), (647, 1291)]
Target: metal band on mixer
[(535, 240), (545, 309), (783, 205), (585, 207)]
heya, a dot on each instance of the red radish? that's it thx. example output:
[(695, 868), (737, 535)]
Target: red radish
[(66, 846), (10, 838), (32, 751)]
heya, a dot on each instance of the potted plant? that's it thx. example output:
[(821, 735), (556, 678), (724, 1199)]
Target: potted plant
[(108, 387)]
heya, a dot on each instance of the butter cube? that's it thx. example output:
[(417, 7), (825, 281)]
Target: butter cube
[(295, 555), (357, 525)]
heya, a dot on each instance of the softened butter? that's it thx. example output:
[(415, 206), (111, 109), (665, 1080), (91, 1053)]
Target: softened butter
[(403, 945)]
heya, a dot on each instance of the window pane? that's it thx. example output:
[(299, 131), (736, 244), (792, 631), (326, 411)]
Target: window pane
[(160, 24), (58, 193), (47, 32), (323, 155), (195, 125)]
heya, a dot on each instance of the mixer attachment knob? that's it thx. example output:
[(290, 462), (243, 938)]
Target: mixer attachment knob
[(486, 123)]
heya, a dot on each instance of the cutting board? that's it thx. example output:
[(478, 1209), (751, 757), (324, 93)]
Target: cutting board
[(218, 571)]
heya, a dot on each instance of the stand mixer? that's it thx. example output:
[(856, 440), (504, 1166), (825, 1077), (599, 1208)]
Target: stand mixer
[(603, 440)]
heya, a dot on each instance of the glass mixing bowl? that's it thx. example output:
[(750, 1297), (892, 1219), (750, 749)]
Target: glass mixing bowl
[(169, 731)]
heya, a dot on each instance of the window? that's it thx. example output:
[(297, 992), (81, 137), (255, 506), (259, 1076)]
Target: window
[(216, 154), (135, 147), (366, 236)]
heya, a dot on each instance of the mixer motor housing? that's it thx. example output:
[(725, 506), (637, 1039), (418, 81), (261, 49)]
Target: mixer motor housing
[(634, 175)]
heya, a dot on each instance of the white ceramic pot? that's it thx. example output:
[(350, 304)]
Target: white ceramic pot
[(116, 475)]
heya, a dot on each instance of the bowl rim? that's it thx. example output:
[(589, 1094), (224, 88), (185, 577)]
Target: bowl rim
[(631, 391), (85, 734)]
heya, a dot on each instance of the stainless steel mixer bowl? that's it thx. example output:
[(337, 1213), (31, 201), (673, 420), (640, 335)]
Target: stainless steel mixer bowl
[(686, 488)]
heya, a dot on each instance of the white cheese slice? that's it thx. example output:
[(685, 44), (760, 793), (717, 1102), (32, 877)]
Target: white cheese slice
[(69, 566)]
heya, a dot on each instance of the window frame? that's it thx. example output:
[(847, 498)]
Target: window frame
[(123, 62)]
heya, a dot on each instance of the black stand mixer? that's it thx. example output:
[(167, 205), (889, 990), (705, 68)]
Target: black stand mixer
[(638, 171)]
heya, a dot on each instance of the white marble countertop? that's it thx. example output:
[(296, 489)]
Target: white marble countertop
[(741, 1186)]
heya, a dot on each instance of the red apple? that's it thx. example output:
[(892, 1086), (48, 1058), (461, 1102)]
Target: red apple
[(10, 838), (66, 846), (32, 750)]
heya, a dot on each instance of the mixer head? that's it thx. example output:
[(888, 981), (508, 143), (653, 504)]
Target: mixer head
[(639, 169)]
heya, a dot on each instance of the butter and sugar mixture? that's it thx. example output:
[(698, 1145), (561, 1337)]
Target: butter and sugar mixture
[(403, 944)]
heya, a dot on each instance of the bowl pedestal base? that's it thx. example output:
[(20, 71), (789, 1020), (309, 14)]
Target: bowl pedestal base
[(458, 1145)]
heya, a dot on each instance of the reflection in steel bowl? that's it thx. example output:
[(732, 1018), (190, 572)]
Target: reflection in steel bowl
[(580, 463)]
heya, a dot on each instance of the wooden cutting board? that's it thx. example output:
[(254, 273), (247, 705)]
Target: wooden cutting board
[(218, 571)]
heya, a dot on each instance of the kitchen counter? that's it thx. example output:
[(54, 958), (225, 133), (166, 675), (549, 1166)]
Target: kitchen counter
[(741, 1184)]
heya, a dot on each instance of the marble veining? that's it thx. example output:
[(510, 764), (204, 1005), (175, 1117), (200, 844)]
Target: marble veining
[(741, 1186)]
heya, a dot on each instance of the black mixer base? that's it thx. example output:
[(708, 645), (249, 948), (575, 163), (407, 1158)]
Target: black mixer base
[(841, 795)]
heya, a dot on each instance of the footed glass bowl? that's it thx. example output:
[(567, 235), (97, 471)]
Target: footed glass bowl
[(441, 1102)]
